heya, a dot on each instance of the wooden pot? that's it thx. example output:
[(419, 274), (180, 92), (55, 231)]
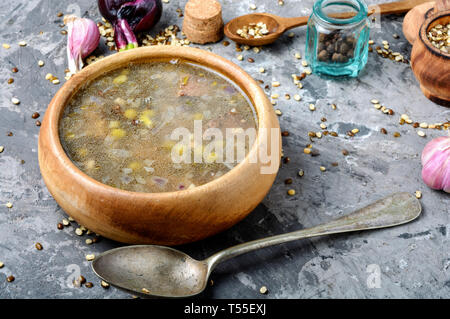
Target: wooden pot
[(414, 19), (170, 218), (430, 65)]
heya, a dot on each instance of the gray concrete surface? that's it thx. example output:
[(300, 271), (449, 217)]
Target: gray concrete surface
[(413, 260)]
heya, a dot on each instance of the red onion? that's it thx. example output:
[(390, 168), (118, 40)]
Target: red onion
[(129, 16), (436, 164)]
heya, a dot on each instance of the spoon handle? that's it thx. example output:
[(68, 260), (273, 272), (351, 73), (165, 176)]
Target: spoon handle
[(393, 210), (395, 7), (289, 23), (384, 8)]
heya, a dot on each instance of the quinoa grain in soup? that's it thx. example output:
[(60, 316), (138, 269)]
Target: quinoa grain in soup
[(118, 128)]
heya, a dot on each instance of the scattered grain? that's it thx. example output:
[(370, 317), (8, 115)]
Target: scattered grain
[(421, 133), (104, 284)]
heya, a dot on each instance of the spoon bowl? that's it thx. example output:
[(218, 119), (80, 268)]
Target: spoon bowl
[(152, 270), (166, 272), (274, 26)]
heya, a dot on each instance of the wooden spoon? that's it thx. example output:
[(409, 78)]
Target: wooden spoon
[(278, 25)]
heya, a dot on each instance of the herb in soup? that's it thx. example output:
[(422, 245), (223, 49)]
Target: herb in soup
[(118, 128)]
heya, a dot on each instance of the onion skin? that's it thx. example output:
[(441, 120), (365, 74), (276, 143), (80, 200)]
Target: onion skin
[(130, 16), (436, 164)]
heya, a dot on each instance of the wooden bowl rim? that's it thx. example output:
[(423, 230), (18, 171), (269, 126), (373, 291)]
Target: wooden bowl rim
[(231, 71), (424, 29)]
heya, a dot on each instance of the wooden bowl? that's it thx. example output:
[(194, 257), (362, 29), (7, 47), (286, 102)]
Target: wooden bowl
[(430, 65), (170, 218)]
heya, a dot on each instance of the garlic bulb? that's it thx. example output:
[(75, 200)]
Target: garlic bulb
[(436, 163), (83, 38)]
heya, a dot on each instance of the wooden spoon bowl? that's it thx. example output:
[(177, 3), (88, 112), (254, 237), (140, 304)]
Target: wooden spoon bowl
[(170, 218), (430, 65), (275, 25)]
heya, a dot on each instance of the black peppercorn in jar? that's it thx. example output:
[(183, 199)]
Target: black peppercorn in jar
[(337, 37)]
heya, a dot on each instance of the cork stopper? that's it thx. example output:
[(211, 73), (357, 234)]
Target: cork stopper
[(203, 21)]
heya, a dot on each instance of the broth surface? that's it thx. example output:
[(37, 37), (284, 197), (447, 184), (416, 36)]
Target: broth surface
[(118, 128)]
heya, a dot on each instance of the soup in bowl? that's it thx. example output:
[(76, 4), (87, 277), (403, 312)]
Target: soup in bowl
[(161, 145)]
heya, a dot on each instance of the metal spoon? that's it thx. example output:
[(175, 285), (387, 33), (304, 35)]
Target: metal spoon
[(166, 272), (278, 25)]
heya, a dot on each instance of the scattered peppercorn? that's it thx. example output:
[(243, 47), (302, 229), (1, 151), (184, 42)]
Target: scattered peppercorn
[(10, 81), (82, 280), (344, 152), (10, 278), (39, 246), (15, 70), (383, 130), (60, 226), (288, 181), (89, 285), (38, 123), (251, 60), (285, 133), (35, 115)]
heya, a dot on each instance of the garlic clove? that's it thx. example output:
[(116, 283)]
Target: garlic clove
[(83, 38), (436, 164)]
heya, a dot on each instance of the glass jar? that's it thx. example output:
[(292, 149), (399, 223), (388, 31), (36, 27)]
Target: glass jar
[(337, 37)]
